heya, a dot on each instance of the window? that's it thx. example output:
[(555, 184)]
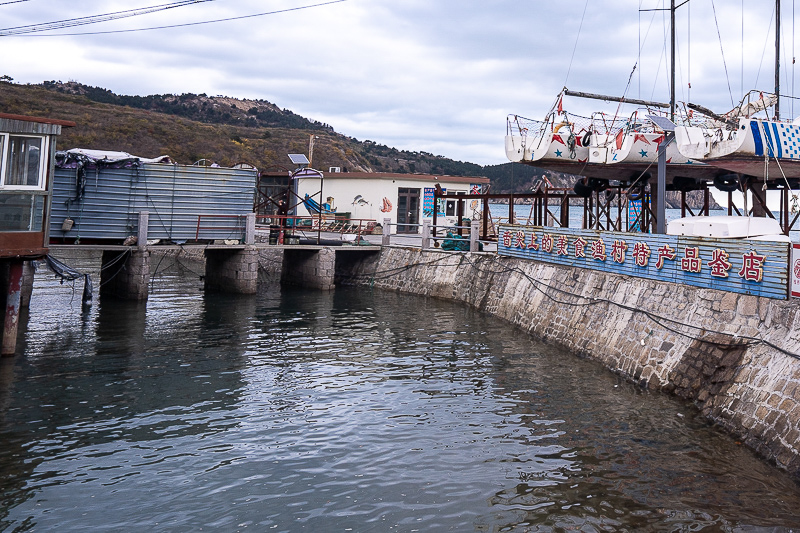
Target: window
[(23, 172), (22, 163)]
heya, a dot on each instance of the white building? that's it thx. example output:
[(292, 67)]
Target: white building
[(405, 199)]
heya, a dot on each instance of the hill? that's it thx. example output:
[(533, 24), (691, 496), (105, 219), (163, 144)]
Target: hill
[(190, 127)]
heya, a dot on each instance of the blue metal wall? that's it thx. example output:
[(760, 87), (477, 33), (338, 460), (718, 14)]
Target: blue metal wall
[(742, 259), (174, 195)]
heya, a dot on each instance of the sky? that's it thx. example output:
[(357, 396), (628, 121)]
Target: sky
[(439, 76)]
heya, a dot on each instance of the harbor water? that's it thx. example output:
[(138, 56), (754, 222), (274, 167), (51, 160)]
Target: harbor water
[(351, 410)]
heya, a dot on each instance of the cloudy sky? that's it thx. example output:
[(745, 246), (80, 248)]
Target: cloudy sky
[(433, 75)]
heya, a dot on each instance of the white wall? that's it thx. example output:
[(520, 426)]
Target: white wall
[(373, 191)]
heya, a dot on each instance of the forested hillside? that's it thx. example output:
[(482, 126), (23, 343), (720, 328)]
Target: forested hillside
[(191, 127)]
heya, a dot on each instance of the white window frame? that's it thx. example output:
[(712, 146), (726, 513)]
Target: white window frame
[(5, 144)]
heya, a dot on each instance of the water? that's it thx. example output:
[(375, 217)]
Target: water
[(355, 410)]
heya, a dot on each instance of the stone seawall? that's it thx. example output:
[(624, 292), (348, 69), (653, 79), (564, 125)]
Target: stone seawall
[(734, 355)]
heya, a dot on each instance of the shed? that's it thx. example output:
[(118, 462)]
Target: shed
[(97, 196), (406, 199)]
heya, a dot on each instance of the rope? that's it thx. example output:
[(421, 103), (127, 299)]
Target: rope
[(722, 51), (574, 48)]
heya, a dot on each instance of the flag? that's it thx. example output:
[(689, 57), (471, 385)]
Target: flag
[(560, 107)]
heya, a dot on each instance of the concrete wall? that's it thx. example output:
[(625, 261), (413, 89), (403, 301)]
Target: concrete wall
[(733, 355)]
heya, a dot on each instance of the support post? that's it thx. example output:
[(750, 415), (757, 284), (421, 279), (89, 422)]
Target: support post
[(426, 235), (250, 229), (661, 213), (13, 304), (141, 234), (387, 232), (475, 227)]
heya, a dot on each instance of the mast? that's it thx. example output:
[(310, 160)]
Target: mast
[(672, 59), (777, 58)]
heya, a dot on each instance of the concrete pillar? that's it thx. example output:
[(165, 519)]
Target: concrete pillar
[(473, 235), (313, 269), (250, 229), (234, 271), (426, 235), (141, 234), (387, 232), (13, 304), (125, 274)]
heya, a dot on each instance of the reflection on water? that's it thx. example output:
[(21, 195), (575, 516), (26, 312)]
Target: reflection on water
[(351, 410)]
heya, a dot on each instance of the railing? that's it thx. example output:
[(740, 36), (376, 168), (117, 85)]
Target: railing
[(443, 237), (288, 224), (244, 228)]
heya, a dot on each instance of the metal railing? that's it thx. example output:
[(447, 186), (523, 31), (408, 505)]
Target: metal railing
[(243, 230), (452, 238), (289, 225)]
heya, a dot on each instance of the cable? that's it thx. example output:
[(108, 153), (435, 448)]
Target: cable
[(189, 23), (574, 48), (722, 51), (13, 2), (544, 288), (82, 21)]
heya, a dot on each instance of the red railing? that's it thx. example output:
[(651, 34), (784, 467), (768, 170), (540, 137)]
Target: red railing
[(238, 227)]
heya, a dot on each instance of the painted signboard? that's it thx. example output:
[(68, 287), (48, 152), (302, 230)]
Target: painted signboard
[(794, 271), (428, 202), (737, 265)]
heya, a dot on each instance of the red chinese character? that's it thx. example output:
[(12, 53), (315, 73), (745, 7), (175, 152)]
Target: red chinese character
[(506, 238), (618, 249), (719, 263), (547, 243), (580, 247), (691, 261), (665, 252), (533, 245), (561, 245), (519, 239), (752, 266), (598, 249), (641, 254)]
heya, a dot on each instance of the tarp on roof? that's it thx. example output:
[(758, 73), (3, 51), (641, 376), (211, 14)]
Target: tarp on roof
[(82, 157)]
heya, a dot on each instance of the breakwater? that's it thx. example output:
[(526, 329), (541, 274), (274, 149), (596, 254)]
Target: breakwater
[(734, 355)]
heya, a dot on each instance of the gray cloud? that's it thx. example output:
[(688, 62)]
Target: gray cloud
[(432, 75)]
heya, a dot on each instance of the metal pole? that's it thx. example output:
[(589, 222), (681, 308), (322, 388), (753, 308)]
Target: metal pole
[(777, 58), (661, 226), (672, 81)]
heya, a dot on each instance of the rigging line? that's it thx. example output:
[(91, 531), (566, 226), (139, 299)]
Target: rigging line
[(764, 50), (13, 2), (574, 48), (722, 51), (191, 23), (81, 21)]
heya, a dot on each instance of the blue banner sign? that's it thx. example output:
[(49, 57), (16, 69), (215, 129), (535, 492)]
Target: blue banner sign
[(745, 266)]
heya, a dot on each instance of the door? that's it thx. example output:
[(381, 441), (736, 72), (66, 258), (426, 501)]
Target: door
[(407, 210)]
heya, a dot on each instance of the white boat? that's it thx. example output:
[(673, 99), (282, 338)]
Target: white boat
[(739, 142), (559, 139), (638, 142), (728, 227)]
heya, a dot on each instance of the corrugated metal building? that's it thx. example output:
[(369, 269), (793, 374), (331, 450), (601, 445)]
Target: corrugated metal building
[(101, 198)]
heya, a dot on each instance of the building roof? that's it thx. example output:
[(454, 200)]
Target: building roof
[(434, 178), (35, 125)]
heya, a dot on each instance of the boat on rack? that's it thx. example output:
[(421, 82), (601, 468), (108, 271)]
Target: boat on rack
[(739, 142), (601, 147)]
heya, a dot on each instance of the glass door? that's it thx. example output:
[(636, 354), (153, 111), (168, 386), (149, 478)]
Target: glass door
[(407, 210)]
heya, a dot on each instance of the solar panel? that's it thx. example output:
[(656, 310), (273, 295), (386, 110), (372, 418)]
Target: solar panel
[(298, 159), (662, 122)]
